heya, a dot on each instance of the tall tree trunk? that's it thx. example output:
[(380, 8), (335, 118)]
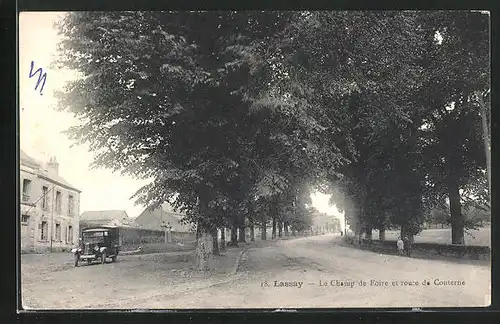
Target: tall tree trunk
[(406, 232), (223, 238), (381, 234), (457, 218), (234, 236), (280, 229), (242, 233), (369, 231), (358, 232), (241, 229), (274, 228), (215, 241), (203, 252), (285, 227), (252, 232)]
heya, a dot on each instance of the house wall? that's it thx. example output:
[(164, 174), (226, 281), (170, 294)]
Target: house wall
[(33, 214)]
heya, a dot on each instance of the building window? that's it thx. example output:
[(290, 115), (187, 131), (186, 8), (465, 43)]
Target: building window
[(58, 232), (45, 191), (25, 219), (70, 234), (58, 201), (43, 231), (70, 205), (26, 189)]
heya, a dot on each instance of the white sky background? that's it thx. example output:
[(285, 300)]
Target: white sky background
[(41, 125)]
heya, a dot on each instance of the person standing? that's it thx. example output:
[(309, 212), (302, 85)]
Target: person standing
[(407, 246), (400, 245), (78, 251)]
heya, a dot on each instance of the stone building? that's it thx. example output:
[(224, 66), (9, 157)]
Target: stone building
[(49, 207), (165, 219), (105, 218), (164, 215)]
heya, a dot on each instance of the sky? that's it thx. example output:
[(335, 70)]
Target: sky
[(41, 126)]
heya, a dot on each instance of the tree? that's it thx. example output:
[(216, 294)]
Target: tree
[(361, 84), (146, 98), (457, 60), (301, 219), (395, 78)]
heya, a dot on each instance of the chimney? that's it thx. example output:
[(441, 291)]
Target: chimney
[(53, 166)]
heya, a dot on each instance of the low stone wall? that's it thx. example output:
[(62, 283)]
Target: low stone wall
[(426, 250), (132, 236), (158, 247)]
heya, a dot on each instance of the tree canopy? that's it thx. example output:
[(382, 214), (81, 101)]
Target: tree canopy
[(233, 112)]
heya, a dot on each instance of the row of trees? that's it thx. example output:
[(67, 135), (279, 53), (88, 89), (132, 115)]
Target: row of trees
[(235, 116)]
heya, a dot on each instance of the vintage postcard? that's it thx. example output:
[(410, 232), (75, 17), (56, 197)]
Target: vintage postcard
[(254, 159)]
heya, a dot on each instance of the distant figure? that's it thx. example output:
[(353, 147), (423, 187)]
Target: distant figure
[(341, 233), (401, 246), (407, 245)]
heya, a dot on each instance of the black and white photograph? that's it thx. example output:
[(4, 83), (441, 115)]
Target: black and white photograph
[(254, 159)]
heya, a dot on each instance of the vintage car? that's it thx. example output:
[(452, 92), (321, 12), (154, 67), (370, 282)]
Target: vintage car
[(98, 244)]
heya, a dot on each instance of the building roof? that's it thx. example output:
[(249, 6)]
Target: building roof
[(27, 160), (153, 219), (104, 215), (107, 218)]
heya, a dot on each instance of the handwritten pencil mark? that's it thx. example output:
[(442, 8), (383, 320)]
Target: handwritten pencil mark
[(41, 77)]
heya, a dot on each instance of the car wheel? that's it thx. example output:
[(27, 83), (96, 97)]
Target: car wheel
[(113, 259)]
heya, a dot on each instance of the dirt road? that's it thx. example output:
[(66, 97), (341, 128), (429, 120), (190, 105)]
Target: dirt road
[(298, 273), (50, 281), (330, 274)]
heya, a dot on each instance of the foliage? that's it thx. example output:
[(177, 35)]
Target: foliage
[(236, 115)]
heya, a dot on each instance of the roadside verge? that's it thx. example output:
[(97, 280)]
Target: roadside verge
[(447, 252)]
